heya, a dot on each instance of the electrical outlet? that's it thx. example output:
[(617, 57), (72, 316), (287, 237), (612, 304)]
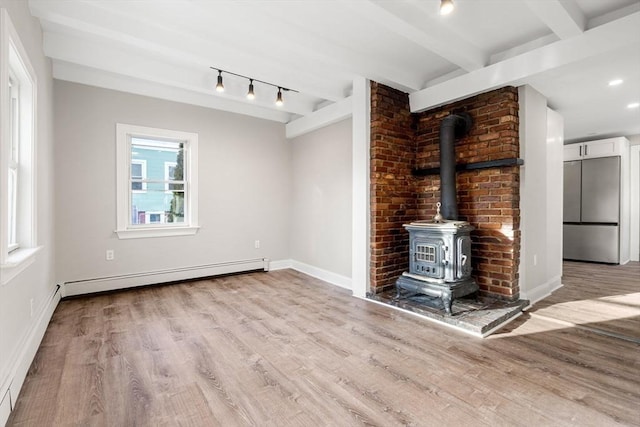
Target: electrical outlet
[(256, 244), (110, 254)]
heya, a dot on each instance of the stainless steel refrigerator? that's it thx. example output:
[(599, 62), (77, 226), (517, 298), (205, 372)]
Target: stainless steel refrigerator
[(592, 210)]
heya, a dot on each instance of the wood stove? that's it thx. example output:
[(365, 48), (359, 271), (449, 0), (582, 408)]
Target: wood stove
[(439, 261), (440, 249)]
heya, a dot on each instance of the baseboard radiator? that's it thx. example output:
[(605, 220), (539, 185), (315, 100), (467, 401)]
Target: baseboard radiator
[(110, 283)]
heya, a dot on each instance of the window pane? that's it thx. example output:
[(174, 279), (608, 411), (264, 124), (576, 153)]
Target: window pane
[(157, 206), (136, 170), (12, 199), (159, 171)]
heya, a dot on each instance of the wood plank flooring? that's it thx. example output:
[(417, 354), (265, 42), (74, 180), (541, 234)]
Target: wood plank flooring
[(601, 298), (284, 349)]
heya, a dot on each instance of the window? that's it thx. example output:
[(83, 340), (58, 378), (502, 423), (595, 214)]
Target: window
[(17, 153), (169, 175), (138, 174), (13, 166), (157, 182)]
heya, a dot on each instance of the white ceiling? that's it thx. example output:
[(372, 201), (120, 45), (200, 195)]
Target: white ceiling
[(567, 49)]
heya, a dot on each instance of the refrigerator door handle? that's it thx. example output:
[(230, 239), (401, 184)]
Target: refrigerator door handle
[(580, 154), (586, 150)]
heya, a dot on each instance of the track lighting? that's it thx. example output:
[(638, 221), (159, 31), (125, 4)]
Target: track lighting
[(446, 7), (219, 86), (251, 94)]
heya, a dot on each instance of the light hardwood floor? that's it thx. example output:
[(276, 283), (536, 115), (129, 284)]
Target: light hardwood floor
[(284, 349)]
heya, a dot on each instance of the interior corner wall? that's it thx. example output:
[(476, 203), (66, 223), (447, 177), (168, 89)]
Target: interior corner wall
[(320, 230), (244, 185), (27, 301)]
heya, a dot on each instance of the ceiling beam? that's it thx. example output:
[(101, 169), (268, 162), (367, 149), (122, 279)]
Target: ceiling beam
[(563, 17), (514, 71), (323, 117), (338, 56), (423, 31), (111, 58), (93, 77), (92, 21)]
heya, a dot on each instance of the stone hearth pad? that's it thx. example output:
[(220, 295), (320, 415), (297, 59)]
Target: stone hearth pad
[(481, 316)]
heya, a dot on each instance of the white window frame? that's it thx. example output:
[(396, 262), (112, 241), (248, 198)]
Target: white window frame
[(16, 67), (124, 228), (143, 163)]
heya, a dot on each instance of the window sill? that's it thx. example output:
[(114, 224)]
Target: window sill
[(16, 263), (143, 233)]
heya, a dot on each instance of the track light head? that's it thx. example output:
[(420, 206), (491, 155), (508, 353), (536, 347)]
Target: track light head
[(251, 95), (279, 100), (446, 7), (219, 86)]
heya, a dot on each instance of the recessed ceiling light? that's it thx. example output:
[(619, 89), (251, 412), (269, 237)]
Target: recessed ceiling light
[(615, 82), (634, 105)]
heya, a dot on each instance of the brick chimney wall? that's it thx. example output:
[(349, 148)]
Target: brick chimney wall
[(487, 198), (393, 192)]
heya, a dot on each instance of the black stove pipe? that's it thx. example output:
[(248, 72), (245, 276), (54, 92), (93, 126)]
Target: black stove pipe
[(453, 126)]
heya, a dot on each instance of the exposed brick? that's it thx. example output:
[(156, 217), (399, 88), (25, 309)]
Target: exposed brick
[(487, 198)]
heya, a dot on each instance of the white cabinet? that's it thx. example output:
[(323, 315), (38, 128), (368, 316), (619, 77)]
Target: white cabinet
[(592, 149)]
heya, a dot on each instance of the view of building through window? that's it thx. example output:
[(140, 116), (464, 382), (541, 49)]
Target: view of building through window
[(157, 181)]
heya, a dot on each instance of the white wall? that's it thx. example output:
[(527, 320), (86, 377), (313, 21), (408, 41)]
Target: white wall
[(20, 329), (540, 196), (244, 185), (321, 201), (555, 196), (634, 190)]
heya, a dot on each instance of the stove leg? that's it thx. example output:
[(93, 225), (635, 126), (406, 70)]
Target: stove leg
[(448, 302)]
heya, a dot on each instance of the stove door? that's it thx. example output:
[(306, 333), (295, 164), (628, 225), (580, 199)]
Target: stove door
[(426, 257)]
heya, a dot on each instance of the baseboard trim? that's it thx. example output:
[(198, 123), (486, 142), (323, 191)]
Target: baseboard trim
[(540, 292), (21, 359), (112, 283), (319, 273), (281, 264)]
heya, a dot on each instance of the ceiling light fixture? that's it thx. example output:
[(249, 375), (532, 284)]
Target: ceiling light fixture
[(634, 105), (615, 82), (219, 86), (446, 7), (251, 93)]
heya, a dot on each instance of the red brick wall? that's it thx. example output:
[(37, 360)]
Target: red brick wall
[(393, 195), (487, 198)]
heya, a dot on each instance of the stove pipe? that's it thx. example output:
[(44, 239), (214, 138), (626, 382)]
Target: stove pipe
[(453, 126)]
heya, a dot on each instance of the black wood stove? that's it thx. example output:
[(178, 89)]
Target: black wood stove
[(440, 249)]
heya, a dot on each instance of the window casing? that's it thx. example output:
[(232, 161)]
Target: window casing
[(157, 191), (18, 86)]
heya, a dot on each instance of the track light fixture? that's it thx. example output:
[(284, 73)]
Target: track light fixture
[(219, 86), (251, 94), (446, 7)]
